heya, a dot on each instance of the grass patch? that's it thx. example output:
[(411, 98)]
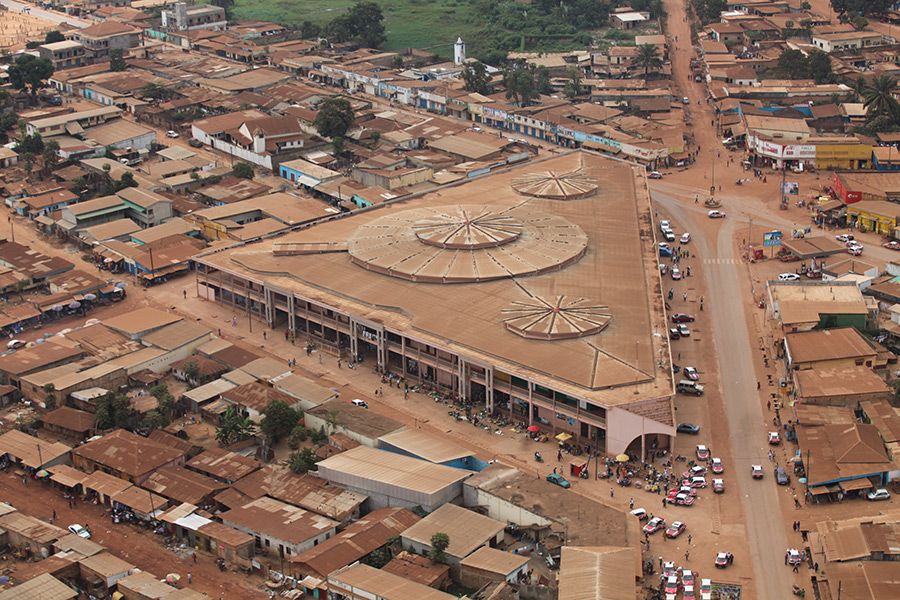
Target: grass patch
[(423, 24)]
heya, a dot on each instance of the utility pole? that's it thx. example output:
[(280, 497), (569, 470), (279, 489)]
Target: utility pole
[(12, 232), (152, 268)]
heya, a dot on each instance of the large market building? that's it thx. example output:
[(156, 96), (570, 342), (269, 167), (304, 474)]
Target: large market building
[(533, 289)]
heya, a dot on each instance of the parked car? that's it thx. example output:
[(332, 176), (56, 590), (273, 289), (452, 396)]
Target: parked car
[(358, 402), (682, 318), (716, 465), (559, 480), (695, 471), (640, 513), (723, 559), (675, 529), (663, 269), (676, 273), (716, 214), (686, 386), (673, 334), (702, 452), (15, 344), (892, 245), (879, 494), (697, 482), (672, 586), (669, 235), (788, 277), (793, 557), (685, 238), (171, 134), (691, 373), (654, 175), (688, 428), (844, 237), (687, 578), (683, 499), (664, 224), (664, 252), (854, 244), (789, 257), (683, 330), (80, 531), (855, 250), (774, 438), (195, 143), (718, 486), (655, 524), (814, 274), (781, 476), (705, 589), (756, 471)]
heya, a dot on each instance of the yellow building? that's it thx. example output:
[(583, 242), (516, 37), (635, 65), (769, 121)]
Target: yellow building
[(841, 153), (875, 215)]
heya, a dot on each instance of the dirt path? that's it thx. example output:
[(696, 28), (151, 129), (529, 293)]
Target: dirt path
[(129, 542)]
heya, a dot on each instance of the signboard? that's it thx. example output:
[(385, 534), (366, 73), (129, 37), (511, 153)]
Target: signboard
[(790, 187), (772, 238)]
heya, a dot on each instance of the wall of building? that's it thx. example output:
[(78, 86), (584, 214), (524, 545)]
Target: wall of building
[(272, 544), (500, 509)]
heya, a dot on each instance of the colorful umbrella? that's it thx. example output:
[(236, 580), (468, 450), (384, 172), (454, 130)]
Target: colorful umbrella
[(622, 458), (172, 578), (533, 429), (43, 473), (564, 437)]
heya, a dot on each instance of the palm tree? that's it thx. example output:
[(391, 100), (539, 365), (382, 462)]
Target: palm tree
[(859, 87), (879, 97), (647, 57)]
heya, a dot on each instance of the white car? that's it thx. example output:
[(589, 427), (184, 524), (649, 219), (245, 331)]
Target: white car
[(716, 214), (80, 531), (705, 589), (359, 402), (15, 344), (756, 471), (879, 494), (171, 134), (676, 273), (685, 238), (664, 224), (788, 277), (640, 513), (793, 557), (844, 237)]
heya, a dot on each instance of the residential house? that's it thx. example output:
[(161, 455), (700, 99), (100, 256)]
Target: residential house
[(468, 531), (280, 527), (127, 456), (360, 581), (189, 18), (99, 39), (69, 423), (223, 465), (63, 55), (830, 348)]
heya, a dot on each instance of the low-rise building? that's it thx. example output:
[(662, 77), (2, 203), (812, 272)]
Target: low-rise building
[(392, 479), (223, 465), (69, 422), (490, 564), (63, 55), (127, 456), (846, 40), (830, 348), (359, 423), (841, 386), (189, 18), (99, 39), (468, 531), (612, 572), (32, 453), (280, 527), (362, 582)]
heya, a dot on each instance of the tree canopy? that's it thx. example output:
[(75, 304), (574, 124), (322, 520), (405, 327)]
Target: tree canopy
[(849, 8), (793, 64), (30, 72), (363, 25), (234, 427), (647, 58), (520, 85), (303, 461), (439, 543), (54, 36), (113, 410), (279, 420), (476, 78), (242, 170), (334, 119), (879, 98), (117, 60)]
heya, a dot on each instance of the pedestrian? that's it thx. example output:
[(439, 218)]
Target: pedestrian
[(796, 568), (74, 503), (660, 562), (339, 363), (189, 576), (758, 384), (185, 294), (816, 567), (559, 455), (687, 554), (220, 332), (195, 558), (320, 359), (264, 335), (689, 539), (25, 480), (768, 404), (785, 558), (285, 335), (611, 492), (234, 321), (664, 502), (381, 391), (696, 198), (630, 506), (54, 514)]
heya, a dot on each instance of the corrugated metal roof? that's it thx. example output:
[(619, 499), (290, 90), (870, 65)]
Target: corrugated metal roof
[(495, 561), (606, 572), (382, 584), (428, 446), (43, 587), (279, 520), (467, 529)]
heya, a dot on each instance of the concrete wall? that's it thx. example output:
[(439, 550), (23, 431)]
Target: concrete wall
[(500, 509), (275, 543)]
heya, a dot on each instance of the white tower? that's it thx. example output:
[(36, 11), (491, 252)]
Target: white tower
[(459, 51)]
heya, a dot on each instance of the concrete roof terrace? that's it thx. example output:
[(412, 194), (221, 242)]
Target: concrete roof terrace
[(613, 363)]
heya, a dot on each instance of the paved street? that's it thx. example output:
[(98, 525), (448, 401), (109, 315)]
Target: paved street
[(50, 15)]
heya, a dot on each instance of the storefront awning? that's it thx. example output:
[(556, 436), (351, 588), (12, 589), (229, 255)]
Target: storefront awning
[(856, 484)]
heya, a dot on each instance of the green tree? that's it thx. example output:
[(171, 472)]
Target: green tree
[(233, 427), (31, 73), (858, 22), (333, 120), (154, 91), (117, 60), (303, 461), (49, 396), (28, 157), (279, 420), (709, 10), (819, 67), (54, 36), (191, 370), (154, 420), (228, 5), (165, 401), (520, 85), (113, 410), (126, 181), (8, 120), (31, 143), (573, 85), (378, 558), (476, 78), (363, 25), (51, 154), (647, 58), (439, 543), (846, 9), (333, 419), (542, 80), (308, 29), (792, 64), (243, 170), (879, 98)]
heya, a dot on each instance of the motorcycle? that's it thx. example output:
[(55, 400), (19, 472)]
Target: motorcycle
[(739, 182), (538, 457), (220, 562), (799, 591), (681, 458)]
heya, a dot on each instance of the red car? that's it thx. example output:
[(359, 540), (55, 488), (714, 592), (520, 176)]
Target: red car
[(682, 318), (789, 257), (702, 452), (718, 486), (683, 500), (655, 524), (675, 529), (756, 471), (716, 465), (691, 373), (723, 559), (892, 245)]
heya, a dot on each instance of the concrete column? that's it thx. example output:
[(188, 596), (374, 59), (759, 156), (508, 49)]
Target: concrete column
[(462, 380)]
